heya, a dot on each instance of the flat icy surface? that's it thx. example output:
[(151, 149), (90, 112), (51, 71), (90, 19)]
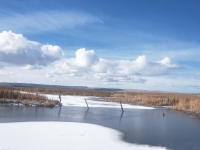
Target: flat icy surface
[(79, 101), (63, 136)]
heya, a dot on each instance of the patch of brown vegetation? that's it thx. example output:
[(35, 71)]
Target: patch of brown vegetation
[(10, 96), (184, 102)]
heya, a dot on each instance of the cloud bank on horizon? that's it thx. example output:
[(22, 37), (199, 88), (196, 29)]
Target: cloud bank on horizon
[(130, 46), (16, 50)]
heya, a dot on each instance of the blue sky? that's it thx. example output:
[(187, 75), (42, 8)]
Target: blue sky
[(132, 44)]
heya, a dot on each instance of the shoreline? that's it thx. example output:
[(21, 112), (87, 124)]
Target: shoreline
[(167, 107), (31, 103), (189, 103), (55, 103)]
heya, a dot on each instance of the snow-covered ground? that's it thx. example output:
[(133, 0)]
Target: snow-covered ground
[(63, 136), (79, 101)]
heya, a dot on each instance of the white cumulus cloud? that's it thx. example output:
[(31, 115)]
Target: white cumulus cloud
[(82, 63), (84, 58), (11, 43), (16, 50), (53, 51), (166, 61), (128, 67), (103, 66), (86, 63)]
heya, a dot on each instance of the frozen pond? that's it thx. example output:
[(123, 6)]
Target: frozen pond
[(141, 125)]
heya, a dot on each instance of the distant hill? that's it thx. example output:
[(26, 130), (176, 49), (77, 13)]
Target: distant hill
[(31, 85)]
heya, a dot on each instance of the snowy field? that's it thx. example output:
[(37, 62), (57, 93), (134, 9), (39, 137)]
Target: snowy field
[(63, 136), (79, 101)]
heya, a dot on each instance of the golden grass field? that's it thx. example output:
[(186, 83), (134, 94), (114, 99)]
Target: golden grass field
[(9, 95), (179, 101)]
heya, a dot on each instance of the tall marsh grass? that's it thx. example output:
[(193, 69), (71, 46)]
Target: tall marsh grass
[(178, 101), (9, 95)]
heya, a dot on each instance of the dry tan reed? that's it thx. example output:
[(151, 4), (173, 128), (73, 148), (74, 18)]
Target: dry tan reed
[(11, 96), (184, 102)]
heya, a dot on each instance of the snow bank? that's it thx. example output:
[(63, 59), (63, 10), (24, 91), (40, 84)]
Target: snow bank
[(79, 101), (63, 136)]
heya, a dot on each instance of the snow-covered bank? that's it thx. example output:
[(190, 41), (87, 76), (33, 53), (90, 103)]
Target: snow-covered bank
[(63, 136), (79, 101)]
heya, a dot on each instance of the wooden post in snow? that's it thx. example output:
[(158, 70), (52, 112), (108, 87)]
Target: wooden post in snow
[(60, 97), (121, 106), (86, 104), (37, 95)]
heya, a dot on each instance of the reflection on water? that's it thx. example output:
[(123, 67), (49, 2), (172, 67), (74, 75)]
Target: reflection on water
[(86, 112), (59, 111), (159, 127), (121, 117)]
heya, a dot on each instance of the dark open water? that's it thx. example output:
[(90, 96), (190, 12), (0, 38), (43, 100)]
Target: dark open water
[(176, 130)]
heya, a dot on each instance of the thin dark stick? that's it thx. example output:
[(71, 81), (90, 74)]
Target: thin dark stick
[(121, 106), (86, 104), (37, 95), (60, 97)]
